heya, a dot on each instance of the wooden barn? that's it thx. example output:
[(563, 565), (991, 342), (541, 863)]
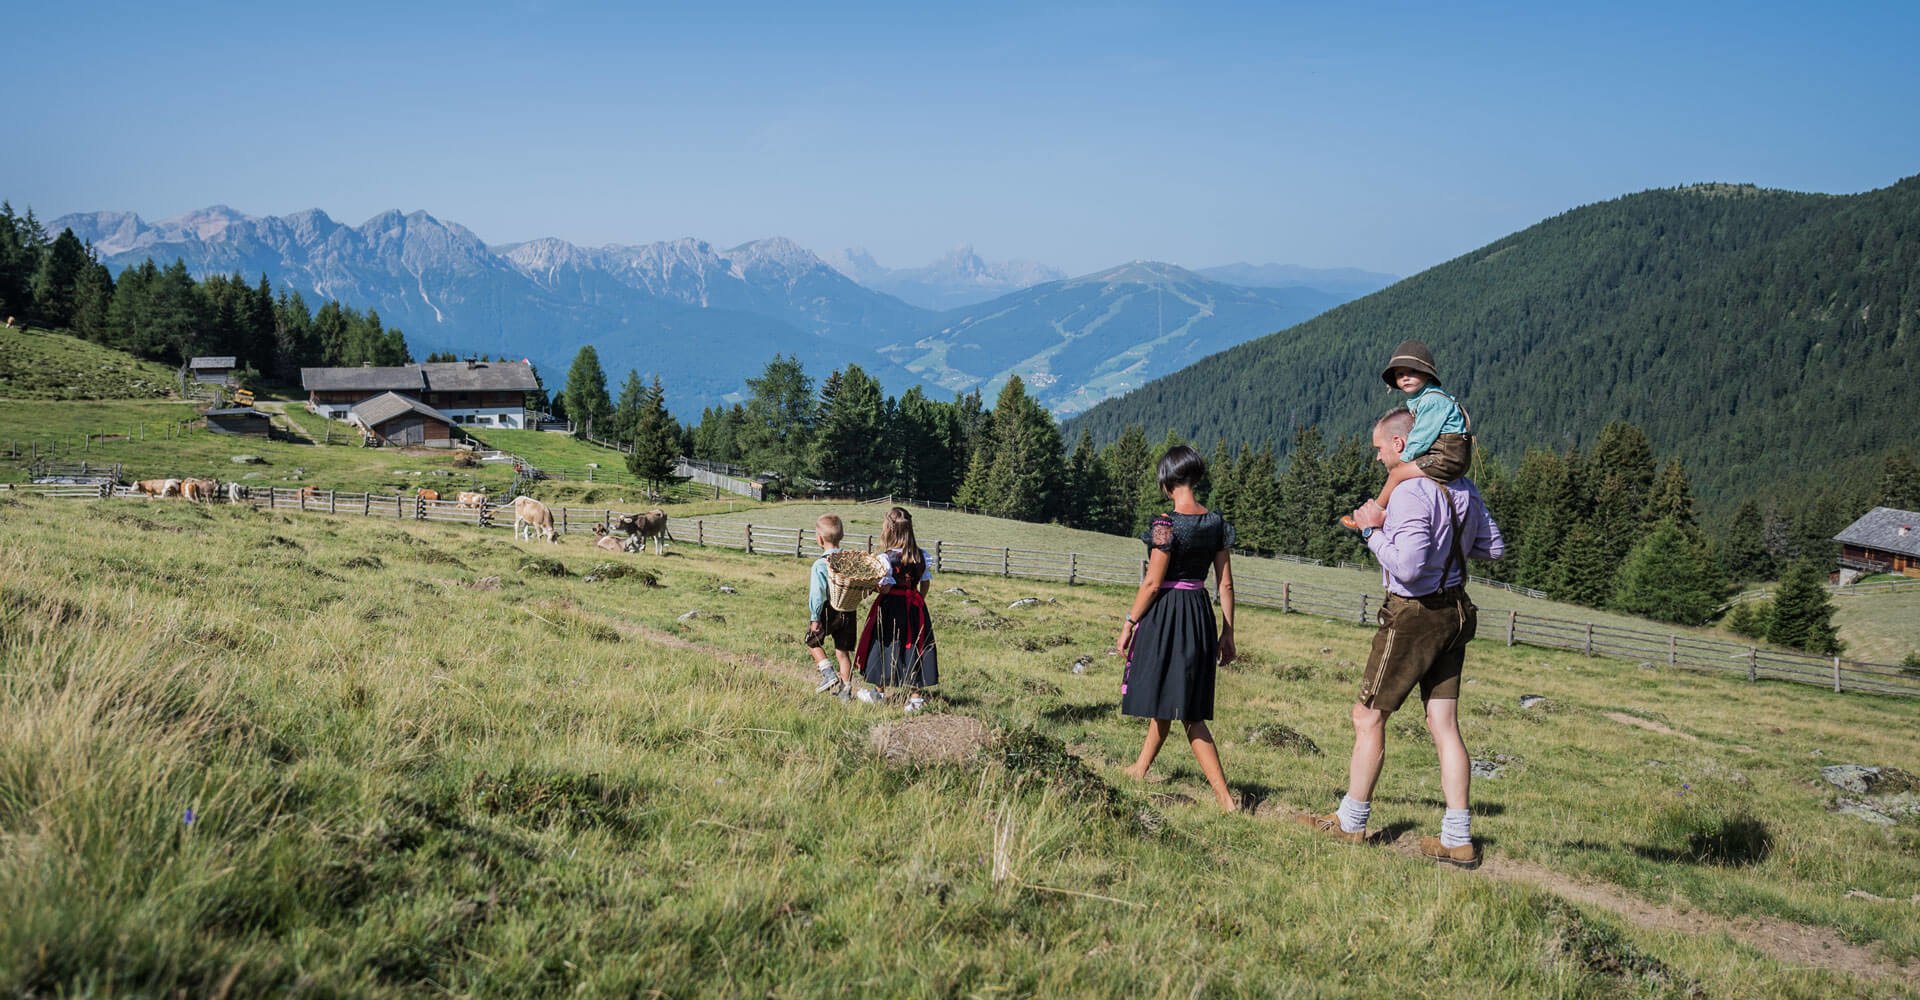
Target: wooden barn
[(478, 393), (391, 418), (243, 420), (211, 371), (1884, 540)]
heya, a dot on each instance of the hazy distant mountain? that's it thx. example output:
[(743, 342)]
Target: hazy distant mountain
[(705, 318), (1081, 340), (960, 278), (1348, 281)]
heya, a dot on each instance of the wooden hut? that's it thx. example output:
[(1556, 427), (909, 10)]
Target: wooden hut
[(391, 418), (211, 371), (1883, 540), (243, 420)]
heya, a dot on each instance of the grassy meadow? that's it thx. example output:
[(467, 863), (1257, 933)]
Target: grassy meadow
[(1879, 625), (41, 364), (251, 751)]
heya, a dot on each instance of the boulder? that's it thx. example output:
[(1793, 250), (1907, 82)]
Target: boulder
[(247, 460)]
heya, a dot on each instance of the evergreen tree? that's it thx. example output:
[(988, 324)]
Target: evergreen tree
[(777, 429), (1090, 490), (1306, 502), (1899, 485), (588, 405), (1750, 619), (851, 444), (55, 281), (1585, 572), (656, 439), (1669, 577), (1022, 477), (1129, 466), (624, 422), (1223, 480), (1743, 546), (1257, 491), (1151, 501), (1802, 612), (93, 302), (1672, 498), (931, 454)]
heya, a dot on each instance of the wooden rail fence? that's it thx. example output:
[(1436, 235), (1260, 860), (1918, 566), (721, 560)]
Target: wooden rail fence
[(1255, 584)]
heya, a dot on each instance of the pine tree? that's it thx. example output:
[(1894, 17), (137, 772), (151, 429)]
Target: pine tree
[(656, 439), (624, 420), (1223, 481), (55, 280), (1899, 485), (1802, 612), (587, 402), (1584, 573), (1306, 503), (1091, 491), (1672, 498), (93, 302), (1669, 577), (852, 448), (1743, 546), (1129, 467), (777, 429), (1257, 490)]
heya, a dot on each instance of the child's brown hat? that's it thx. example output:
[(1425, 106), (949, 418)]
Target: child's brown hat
[(1413, 356)]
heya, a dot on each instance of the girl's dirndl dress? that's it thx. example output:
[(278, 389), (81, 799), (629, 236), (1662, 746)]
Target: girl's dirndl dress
[(896, 648), (1176, 646)]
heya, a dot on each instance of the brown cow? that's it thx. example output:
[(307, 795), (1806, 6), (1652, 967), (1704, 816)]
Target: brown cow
[(427, 494), (470, 499), (611, 543), (652, 524), (199, 490), (151, 487), (530, 516)]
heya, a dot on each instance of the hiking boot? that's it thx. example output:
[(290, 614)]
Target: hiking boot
[(915, 704), (844, 694), (1330, 825), (827, 680), (1465, 856), (870, 696)]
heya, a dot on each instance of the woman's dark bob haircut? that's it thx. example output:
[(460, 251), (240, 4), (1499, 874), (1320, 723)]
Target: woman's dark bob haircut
[(1181, 466)]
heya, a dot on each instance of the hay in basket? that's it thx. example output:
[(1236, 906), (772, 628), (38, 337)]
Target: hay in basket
[(851, 578)]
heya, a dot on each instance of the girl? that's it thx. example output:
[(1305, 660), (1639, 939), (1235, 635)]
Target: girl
[(897, 646), (1169, 637)]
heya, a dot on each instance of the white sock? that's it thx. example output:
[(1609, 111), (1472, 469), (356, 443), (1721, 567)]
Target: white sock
[(1353, 815), (1456, 828)]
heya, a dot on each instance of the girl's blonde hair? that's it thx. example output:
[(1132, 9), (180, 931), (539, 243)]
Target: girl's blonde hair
[(896, 532)]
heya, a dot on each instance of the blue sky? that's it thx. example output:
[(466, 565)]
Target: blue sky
[(1383, 136)]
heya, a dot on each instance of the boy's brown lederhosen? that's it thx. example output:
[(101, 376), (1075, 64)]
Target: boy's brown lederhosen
[(1451, 454), (843, 627), (1422, 640)]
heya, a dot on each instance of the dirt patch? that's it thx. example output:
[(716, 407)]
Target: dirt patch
[(931, 739), (1649, 725)]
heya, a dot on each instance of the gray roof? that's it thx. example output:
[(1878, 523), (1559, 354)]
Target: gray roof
[(1879, 529), (210, 363), (388, 405), (456, 376), (366, 379), (238, 411)]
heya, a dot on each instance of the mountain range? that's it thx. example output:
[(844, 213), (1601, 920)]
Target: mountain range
[(1769, 339), (705, 318)]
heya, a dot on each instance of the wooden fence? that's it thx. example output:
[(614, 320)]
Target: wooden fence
[(1257, 583)]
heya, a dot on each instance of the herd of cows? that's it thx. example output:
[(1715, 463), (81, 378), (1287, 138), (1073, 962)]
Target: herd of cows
[(627, 533)]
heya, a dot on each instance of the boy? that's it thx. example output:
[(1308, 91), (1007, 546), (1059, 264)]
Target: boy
[(825, 621), (1440, 446)]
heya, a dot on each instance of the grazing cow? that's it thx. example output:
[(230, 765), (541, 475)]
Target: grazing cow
[(236, 493), (151, 487), (652, 524), (170, 488), (199, 490), (427, 494), (470, 499), (308, 492), (529, 516)]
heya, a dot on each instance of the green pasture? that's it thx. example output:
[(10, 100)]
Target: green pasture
[(41, 364), (380, 758), (1882, 626)]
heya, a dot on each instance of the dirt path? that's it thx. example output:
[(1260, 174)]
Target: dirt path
[(1784, 941)]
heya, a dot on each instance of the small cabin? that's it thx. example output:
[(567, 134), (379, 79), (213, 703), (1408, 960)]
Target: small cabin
[(1883, 540), (391, 418), (242, 420), (211, 371)]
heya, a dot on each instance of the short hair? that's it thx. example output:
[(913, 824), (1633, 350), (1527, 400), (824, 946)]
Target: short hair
[(1181, 466), (1400, 417), (830, 528)]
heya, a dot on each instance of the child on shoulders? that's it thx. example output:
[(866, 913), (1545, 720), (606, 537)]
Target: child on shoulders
[(1440, 446)]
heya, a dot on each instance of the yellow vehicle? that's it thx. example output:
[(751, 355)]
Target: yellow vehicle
[(243, 397)]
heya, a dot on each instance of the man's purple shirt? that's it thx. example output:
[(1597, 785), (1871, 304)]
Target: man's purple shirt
[(1412, 546)]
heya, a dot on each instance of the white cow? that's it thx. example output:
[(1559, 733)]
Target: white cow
[(529, 516)]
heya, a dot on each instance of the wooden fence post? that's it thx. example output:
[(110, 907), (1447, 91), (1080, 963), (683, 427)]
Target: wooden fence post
[(799, 539), (399, 509), (937, 545), (1073, 567), (1589, 649), (1286, 598), (1836, 675), (366, 505), (331, 506), (1006, 562), (1513, 620), (1753, 664), (563, 517), (1673, 650), (749, 539), (700, 531), (1363, 609), (870, 546)]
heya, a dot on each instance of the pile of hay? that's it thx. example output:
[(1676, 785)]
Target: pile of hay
[(931, 739)]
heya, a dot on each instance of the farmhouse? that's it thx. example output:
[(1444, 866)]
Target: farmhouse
[(1884, 540), (211, 371), (240, 420), (391, 418), (483, 393)]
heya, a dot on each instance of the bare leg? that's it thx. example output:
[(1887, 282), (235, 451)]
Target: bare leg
[(1399, 474), (846, 666), (1157, 730), (1443, 721), (1369, 751), (1209, 757)]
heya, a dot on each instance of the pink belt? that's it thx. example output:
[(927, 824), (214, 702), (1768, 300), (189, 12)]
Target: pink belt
[(1184, 585)]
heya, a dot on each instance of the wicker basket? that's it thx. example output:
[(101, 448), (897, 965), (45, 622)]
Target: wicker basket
[(851, 578)]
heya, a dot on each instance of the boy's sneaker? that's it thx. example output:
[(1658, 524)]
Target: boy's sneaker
[(1465, 856), (844, 694), (827, 679), (870, 696), (915, 704)]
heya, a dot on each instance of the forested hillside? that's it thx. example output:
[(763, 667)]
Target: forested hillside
[(1758, 336)]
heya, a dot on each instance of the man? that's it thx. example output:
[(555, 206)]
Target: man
[(1423, 541)]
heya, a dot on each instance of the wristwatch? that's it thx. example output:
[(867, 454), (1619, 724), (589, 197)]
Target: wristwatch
[(1366, 533)]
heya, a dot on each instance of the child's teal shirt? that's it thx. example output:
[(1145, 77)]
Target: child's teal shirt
[(1435, 412), (817, 588)]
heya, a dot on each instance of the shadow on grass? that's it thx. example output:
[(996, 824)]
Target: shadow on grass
[(1738, 841), (1480, 808), (1080, 713)]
